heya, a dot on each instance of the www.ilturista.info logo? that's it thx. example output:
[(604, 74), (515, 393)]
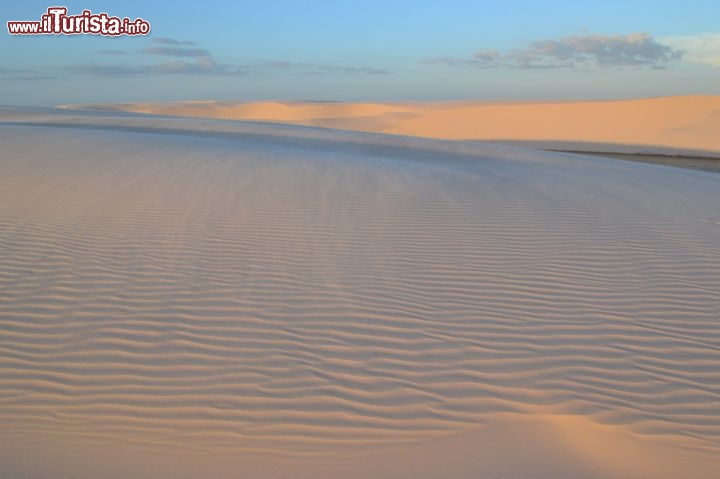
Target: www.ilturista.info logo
[(57, 22)]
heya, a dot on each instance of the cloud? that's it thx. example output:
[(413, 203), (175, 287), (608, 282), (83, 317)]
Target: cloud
[(4, 71), (209, 66), (318, 69), (205, 64), (172, 41), (488, 57), (449, 61), (104, 70), (636, 49), (480, 59), (363, 71), (701, 49), (579, 51), (177, 51), (19, 74), (198, 61), (190, 61), (202, 65)]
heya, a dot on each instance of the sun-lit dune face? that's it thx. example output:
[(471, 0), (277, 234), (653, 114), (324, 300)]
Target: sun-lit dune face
[(691, 122), (183, 298), (680, 122)]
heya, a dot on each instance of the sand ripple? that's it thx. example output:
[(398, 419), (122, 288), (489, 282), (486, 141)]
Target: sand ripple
[(240, 292)]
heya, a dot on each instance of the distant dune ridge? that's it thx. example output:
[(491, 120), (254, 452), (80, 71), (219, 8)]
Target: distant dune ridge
[(676, 125), (184, 298)]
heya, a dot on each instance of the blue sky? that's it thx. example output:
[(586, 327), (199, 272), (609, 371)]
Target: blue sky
[(369, 50)]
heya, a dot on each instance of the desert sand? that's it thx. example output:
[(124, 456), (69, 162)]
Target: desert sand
[(684, 125), (186, 298)]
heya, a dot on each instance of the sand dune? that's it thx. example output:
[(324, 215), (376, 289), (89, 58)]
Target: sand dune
[(675, 125), (187, 298)]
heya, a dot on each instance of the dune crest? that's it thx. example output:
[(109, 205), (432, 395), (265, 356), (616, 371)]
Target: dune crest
[(674, 125)]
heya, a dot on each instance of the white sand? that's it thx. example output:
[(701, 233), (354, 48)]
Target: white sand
[(686, 125), (203, 299)]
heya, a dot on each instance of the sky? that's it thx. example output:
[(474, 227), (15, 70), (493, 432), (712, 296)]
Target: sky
[(368, 50)]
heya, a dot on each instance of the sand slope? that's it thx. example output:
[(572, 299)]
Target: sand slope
[(190, 298), (678, 125)]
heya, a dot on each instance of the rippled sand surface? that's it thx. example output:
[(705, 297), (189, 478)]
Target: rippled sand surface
[(189, 298)]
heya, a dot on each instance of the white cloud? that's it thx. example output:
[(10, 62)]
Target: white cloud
[(702, 49), (580, 51)]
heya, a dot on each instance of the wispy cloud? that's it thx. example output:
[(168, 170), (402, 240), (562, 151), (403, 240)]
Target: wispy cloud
[(103, 70), (318, 69), (177, 51), (112, 52), (172, 41), (702, 49), (203, 65), (209, 66), (19, 74), (352, 70), (481, 59), (579, 51), (199, 61)]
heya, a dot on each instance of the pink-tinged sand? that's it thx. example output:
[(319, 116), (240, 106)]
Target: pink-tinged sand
[(666, 124), (186, 299)]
